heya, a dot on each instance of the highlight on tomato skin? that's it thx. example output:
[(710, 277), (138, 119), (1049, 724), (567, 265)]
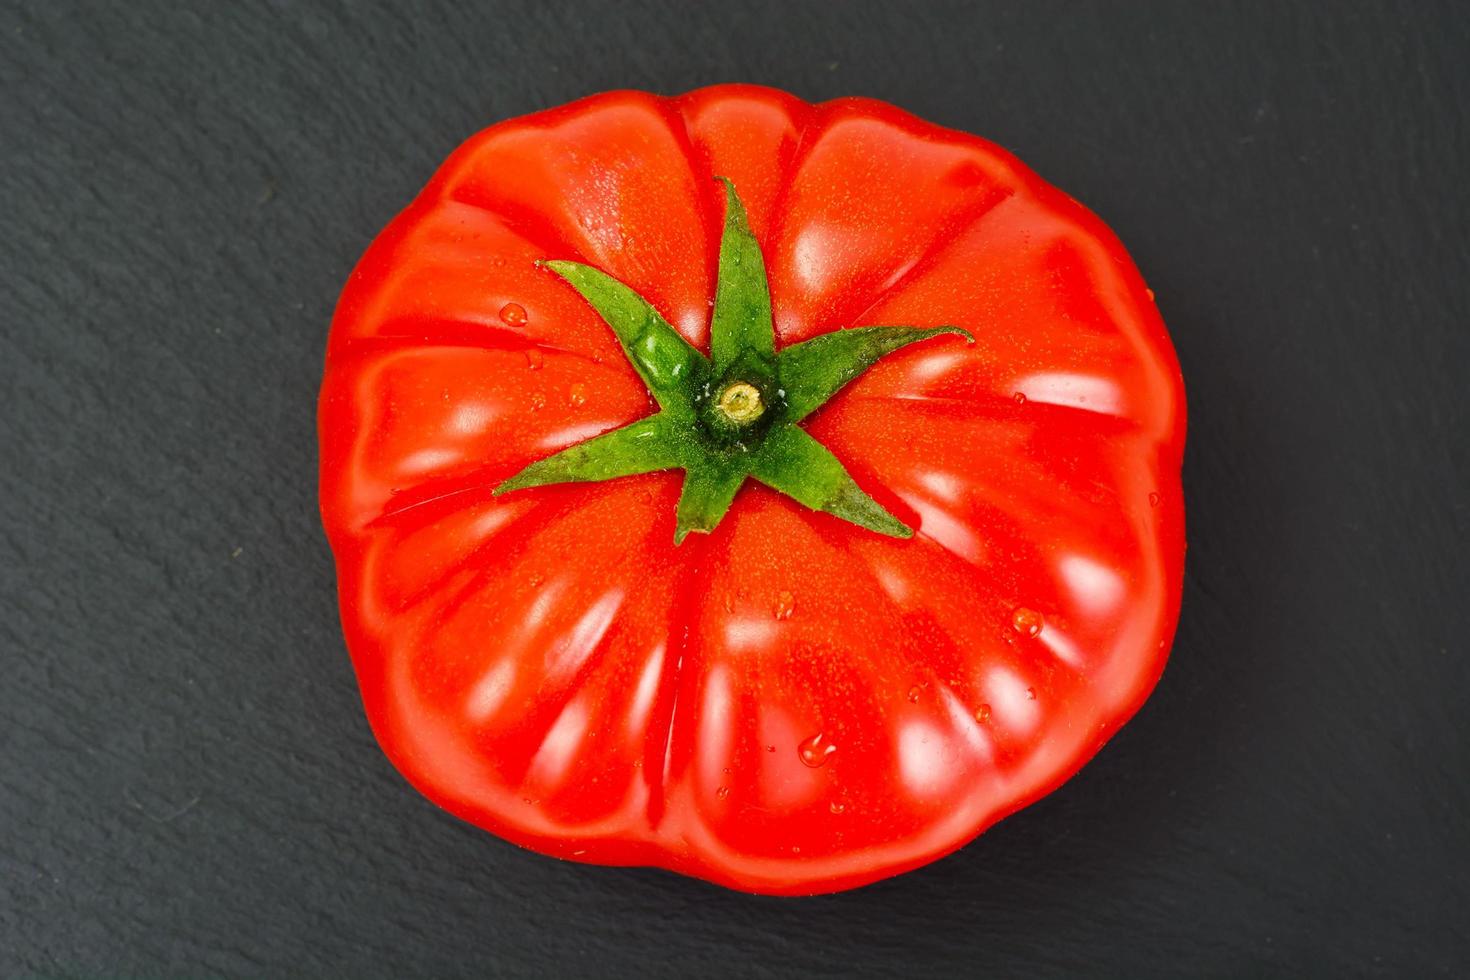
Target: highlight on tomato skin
[(775, 493)]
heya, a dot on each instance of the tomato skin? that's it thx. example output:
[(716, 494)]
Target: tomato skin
[(790, 704)]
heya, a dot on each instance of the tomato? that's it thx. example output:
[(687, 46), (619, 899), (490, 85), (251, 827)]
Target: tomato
[(646, 558)]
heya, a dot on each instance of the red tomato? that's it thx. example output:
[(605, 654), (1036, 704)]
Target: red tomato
[(790, 703)]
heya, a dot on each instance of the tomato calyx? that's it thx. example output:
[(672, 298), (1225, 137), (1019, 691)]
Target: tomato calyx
[(732, 415)]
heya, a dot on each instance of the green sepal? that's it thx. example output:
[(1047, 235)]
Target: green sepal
[(813, 371), (709, 489), (799, 466), (658, 442), (741, 329), (667, 363)]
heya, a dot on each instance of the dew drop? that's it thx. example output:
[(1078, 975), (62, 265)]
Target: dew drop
[(513, 315), (770, 748), (534, 358), (1025, 621), (577, 395), (1020, 398), (1030, 694), (837, 807), (914, 693), (723, 792), (815, 751), (785, 605), (982, 713), (1153, 500), (538, 401)]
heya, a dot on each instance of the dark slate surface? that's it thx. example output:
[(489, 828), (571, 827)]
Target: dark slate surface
[(187, 784)]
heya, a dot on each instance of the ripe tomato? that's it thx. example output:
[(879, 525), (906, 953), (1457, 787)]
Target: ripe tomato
[(936, 565)]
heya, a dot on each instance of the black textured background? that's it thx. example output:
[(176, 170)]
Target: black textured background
[(187, 783)]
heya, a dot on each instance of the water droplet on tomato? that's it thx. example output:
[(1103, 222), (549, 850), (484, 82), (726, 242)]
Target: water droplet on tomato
[(723, 792), (1025, 621), (577, 394), (534, 358), (815, 751), (982, 713), (914, 693), (837, 807), (1030, 694), (538, 401), (785, 605), (770, 748), (1020, 398), (513, 315), (1150, 293), (1153, 499)]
